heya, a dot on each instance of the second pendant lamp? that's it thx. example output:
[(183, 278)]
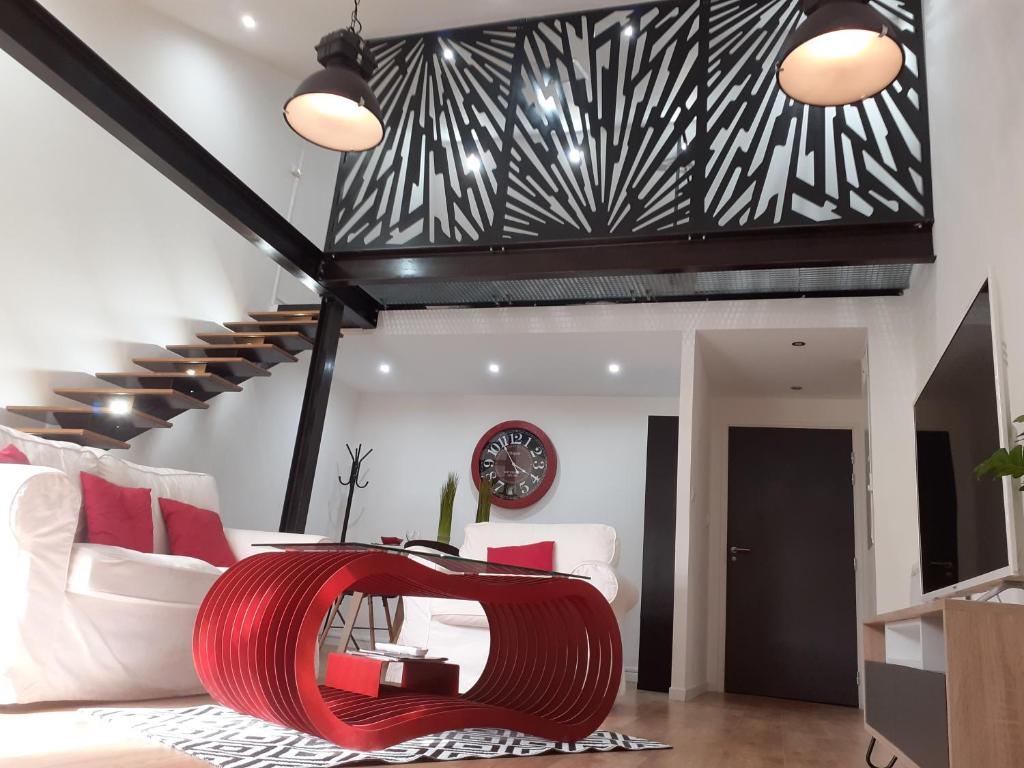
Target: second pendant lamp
[(335, 108)]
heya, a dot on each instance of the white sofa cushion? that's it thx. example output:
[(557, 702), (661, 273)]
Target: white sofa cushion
[(575, 543), (193, 488), (99, 569), (458, 613)]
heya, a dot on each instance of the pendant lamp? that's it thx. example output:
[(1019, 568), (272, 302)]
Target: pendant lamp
[(335, 108), (844, 51)]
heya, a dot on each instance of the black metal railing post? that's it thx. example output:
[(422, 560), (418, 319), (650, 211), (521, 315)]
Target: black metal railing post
[(311, 418)]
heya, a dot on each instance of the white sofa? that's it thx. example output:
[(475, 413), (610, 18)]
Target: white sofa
[(458, 629), (83, 621)]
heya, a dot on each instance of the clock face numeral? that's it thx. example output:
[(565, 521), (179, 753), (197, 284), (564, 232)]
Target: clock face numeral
[(516, 462)]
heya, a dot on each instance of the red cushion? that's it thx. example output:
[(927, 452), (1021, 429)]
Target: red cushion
[(540, 555), (196, 532), (11, 455), (118, 516)]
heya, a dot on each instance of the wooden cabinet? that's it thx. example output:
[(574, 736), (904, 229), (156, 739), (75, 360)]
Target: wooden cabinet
[(959, 708)]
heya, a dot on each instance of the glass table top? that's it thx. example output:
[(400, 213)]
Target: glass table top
[(452, 563)]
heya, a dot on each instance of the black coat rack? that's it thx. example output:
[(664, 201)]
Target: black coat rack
[(358, 457)]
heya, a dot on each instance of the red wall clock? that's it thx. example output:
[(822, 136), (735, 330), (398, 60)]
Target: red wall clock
[(519, 460)]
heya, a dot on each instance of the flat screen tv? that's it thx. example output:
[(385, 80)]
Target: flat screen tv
[(966, 524)]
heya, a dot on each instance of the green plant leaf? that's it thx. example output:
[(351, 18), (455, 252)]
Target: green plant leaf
[(444, 523)]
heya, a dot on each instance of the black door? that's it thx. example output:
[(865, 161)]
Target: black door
[(658, 589), (791, 605)]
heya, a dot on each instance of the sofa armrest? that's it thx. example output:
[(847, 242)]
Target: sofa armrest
[(245, 543), (41, 506), (602, 577)]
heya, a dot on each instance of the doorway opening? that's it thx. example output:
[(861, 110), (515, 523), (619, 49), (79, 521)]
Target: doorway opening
[(789, 561)]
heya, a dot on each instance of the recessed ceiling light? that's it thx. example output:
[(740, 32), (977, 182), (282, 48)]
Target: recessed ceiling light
[(494, 368), (614, 368), (575, 156), (628, 30), (190, 372), (248, 21), (473, 163), (799, 343), (547, 103), (449, 54), (796, 389), (384, 368), (120, 406)]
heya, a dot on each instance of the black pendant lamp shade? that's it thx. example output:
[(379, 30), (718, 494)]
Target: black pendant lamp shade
[(335, 108), (845, 51)]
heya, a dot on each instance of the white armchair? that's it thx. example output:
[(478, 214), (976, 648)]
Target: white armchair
[(458, 629), (89, 621)]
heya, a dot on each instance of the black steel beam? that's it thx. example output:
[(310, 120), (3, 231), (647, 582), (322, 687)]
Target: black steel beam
[(311, 418), (820, 246), (36, 39)]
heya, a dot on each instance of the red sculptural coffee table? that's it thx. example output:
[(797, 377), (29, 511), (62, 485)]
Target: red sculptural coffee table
[(553, 670)]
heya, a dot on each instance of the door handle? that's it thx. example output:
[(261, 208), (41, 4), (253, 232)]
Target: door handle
[(738, 550)]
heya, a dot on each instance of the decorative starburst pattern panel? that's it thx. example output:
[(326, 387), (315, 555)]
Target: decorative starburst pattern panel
[(663, 118), (772, 161)]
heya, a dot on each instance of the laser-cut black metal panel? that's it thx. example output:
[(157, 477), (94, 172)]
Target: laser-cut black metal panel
[(772, 161), (663, 118)]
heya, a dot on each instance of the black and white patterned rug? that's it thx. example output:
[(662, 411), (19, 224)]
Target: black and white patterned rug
[(230, 740)]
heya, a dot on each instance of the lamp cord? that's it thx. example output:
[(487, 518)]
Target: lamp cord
[(356, 25)]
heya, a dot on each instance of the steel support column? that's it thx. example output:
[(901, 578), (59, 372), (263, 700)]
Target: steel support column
[(311, 419)]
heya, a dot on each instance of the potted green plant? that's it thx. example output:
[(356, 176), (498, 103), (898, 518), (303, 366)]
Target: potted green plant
[(1005, 463), (444, 525), (483, 502)]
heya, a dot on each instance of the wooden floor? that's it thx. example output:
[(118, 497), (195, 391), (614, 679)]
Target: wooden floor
[(714, 731)]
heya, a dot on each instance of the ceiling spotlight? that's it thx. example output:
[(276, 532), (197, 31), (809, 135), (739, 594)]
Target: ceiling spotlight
[(547, 103), (120, 406), (575, 156), (449, 54), (472, 163), (799, 343), (335, 108), (614, 368), (190, 372), (628, 30), (494, 368), (384, 368), (845, 51), (248, 21)]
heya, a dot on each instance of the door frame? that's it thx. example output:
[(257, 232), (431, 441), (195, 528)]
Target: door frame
[(721, 421)]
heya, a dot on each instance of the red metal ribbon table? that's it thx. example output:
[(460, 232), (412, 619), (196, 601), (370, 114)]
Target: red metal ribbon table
[(553, 670)]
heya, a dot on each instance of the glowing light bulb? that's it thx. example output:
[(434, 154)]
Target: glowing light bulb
[(248, 21), (842, 44), (494, 368), (190, 372), (628, 30), (472, 163), (449, 54), (120, 406), (575, 156), (384, 368), (614, 368)]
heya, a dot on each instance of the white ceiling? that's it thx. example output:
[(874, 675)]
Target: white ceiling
[(531, 364), (287, 31), (764, 363)]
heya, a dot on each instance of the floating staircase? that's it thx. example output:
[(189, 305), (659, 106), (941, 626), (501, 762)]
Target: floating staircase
[(136, 401)]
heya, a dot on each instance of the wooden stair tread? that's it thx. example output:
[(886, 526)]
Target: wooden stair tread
[(289, 341), (84, 437), (260, 327), (171, 397), (260, 353), (286, 314), (200, 382), (236, 367), (49, 413)]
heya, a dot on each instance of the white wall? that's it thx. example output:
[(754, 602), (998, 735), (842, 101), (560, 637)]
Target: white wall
[(417, 440), (103, 259)]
